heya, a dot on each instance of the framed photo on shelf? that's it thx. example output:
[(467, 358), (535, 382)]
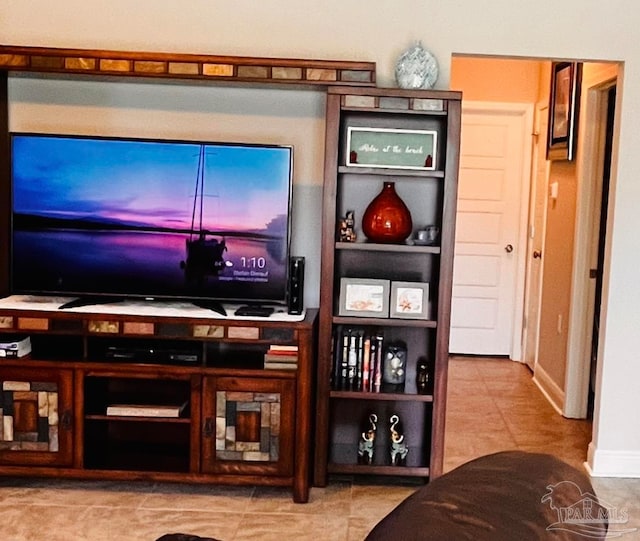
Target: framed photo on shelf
[(392, 148), (566, 78), (409, 300), (363, 297)]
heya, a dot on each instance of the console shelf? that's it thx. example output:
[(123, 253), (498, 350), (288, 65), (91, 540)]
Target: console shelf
[(230, 420)]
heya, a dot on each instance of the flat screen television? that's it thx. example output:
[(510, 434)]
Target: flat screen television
[(104, 218)]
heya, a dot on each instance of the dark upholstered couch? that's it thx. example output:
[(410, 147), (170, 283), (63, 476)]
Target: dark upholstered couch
[(507, 496)]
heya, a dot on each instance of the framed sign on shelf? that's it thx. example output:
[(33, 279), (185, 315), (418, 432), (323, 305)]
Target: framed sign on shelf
[(564, 106), (392, 148), (363, 297)]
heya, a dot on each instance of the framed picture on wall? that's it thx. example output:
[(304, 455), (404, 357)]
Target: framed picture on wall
[(564, 106)]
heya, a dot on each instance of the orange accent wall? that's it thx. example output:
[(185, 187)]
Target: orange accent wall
[(496, 79)]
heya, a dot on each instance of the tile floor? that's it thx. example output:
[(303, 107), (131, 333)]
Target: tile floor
[(493, 405)]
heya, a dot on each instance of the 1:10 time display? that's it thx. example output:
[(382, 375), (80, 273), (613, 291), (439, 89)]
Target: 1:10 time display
[(253, 262)]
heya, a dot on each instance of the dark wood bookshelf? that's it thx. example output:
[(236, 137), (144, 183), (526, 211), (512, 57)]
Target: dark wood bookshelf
[(431, 196)]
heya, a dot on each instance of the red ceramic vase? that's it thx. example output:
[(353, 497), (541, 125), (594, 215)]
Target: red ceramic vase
[(387, 219)]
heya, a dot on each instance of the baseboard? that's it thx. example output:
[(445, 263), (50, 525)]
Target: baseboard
[(549, 388), (603, 463)]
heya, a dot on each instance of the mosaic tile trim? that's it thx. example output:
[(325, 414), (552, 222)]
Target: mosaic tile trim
[(246, 333), (137, 327), (29, 416), (6, 322), (247, 426), (277, 334), (208, 331), (390, 102), (147, 64), (103, 326), (33, 323)]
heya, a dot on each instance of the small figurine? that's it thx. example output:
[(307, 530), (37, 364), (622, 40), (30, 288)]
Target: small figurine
[(367, 442), (428, 162), (399, 449), (347, 234)]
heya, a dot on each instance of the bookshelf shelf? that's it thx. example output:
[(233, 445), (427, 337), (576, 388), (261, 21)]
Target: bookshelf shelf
[(359, 469), (382, 396), (397, 248), (389, 172), (386, 322)]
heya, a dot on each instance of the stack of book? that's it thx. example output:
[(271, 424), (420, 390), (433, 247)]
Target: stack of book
[(281, 357), (357, 360)]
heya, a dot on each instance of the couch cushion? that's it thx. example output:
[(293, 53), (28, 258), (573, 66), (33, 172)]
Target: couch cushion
[(500, 497)]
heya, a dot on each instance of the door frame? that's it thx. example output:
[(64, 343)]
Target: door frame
[(589, 168)]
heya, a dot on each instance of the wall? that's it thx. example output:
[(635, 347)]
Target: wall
[(556, 279), (379, 31), (495, 79)]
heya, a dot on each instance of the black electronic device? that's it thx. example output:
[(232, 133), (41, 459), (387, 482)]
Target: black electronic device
[(254, 311), (296, 285), (152, 354)]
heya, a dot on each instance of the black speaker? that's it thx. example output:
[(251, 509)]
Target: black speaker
[(296, 285)]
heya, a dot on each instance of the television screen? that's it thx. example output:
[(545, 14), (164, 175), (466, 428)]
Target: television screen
[(150, 218)]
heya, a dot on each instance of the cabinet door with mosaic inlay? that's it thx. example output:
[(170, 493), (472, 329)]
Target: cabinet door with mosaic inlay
[(36, 416), (248, 426)]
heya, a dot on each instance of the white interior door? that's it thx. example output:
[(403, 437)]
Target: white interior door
[(488, 277), (535, 240)]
